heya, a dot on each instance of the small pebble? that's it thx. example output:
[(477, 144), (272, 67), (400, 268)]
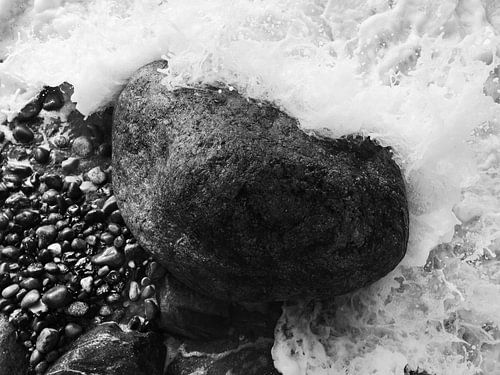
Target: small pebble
[(148, 292), (32, 297), (53, 100), (82, 146), (35, 358), (70, 165), (61, 141), (105, 310), (103, 271), (134, 291), (74, 191), (110, 205), (47, 340), (47, 233), (96, 176), (151, 309), (79, 244), (109, 257), (55, 249), (94, 216), (86, 283), (30, 110), (72, 330), (10, 291), (30, 283), (77, 309), (53, 181), (56, 297), (134, 323), (41, 155), (23, 134)]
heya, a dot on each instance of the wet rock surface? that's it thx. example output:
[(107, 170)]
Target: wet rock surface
[(12, 354), (108, 350), (240, 204), (243, 357)]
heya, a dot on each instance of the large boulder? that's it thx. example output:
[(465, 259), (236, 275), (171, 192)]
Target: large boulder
[(240, 204), (107, 350), (13, 359)]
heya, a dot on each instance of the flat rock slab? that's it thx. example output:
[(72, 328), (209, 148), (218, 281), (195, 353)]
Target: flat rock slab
[(107, 350), (13, 359), (240, 204)]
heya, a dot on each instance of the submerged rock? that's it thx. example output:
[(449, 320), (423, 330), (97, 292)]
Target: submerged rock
[(12, 355), (240, 204), (107, 350), (224, 357)]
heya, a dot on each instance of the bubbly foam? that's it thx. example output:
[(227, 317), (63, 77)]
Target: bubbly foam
[(410, 73)]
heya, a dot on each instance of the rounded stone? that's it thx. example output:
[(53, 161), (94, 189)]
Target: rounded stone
[(240, 204), (23, 134), (32, 297), (41, 155), (56, 297), (47, 340), (96, 176), (109, 257), (82, 146)]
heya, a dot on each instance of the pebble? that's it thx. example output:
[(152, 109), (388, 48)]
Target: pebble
[(10, 291), (53, 181), (134, 323), (35, 269), (110, 205), (72, 330), (53, 101), (27, 218), (47, 233), (61, 141), (21, 170), (94, 216), (17, 200), (66, 234), (10, 252), (51, 268), (55, 249), (30, 110), (41, 368), (35, 358), (74, 191), (23, 134), (105, 310), (96, 176), (151, 309), (47, 340), (79, 244), (30, 283), (56, 297), (77, 309), (82, 146), (70, 165), (134, 291), (103, 271), (86, 283), (134, 251), (32, 297), (41, 155), (109, 257), (148, 292)]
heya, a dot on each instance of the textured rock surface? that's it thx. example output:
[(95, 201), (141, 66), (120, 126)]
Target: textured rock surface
[(189, 314), (240, 204), (107, 350), (224, 357), (12, 355)]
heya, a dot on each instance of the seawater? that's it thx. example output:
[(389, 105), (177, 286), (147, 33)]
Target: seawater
[(417, 75)]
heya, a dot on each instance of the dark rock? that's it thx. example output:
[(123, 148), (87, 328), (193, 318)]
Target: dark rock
[(41, 155), (30, 110), (107, 350), (187, 313), (53, 181), (46, 233), (240, 204), (12, 354), (23, 134), (74, 191), (94, 216), (53, 99), (225, 357), (56, 297), (110, 205), (21, 170), (47, 340), (70, 165)]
